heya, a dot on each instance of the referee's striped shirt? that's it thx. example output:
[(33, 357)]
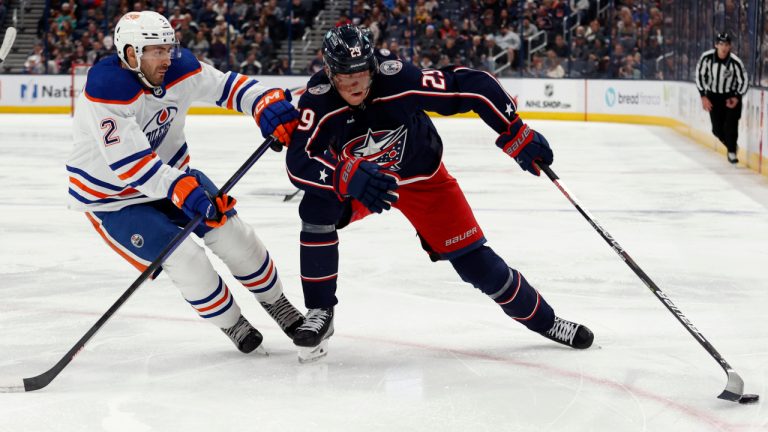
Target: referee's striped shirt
[(722, 77)]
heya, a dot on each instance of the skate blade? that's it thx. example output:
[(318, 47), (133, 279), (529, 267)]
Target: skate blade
[(311, 354), (261, 351)]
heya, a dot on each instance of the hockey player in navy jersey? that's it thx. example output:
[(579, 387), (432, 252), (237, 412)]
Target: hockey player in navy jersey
[(129, 171), (364, 144)]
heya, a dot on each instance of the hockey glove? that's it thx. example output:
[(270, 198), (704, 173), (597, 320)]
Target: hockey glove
[(526, 146), (275, 115), (366, 182), (187, 194)]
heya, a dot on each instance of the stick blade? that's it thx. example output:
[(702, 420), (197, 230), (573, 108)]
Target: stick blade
[(12, 386), (8, 39), (734, 390)]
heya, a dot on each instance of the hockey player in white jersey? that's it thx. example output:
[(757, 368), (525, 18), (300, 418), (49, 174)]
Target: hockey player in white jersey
[(129, 171)]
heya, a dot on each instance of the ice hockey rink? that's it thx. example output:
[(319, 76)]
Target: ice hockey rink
[(415, 349)]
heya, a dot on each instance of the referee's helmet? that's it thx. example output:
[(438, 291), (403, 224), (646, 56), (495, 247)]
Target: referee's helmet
[(723, 37)]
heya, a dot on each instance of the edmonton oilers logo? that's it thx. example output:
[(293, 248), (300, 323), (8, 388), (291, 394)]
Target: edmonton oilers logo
[(137, 240), (157, 127)]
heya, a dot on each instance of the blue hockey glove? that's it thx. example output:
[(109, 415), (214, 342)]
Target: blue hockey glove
[(275, 115), (187, 194), (526, 146), (366, 182)]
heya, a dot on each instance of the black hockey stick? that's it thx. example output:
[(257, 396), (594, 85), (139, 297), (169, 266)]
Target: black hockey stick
[(734, 389), (291, 195), (42, 380)]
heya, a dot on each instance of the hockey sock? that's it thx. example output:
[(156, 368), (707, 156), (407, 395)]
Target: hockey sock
[(319, 266), (262, 280), (489, 273)]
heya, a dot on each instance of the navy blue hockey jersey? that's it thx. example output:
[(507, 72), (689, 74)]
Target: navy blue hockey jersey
[(391, 127)]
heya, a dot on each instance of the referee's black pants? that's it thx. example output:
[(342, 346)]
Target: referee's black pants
[(725, 121)]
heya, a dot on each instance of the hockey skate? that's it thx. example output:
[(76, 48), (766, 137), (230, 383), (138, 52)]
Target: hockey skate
[(312, 336), (245, 337), (285, 315), (732, 158), (570, 333)]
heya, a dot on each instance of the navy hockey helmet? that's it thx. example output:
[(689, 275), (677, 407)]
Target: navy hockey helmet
[(348, 49)]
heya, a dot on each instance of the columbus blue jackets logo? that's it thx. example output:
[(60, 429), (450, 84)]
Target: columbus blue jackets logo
[(382, 147), (157, 127), (391, 67)]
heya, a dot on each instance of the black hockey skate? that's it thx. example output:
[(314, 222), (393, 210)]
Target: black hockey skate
[(245, 337), (312, 336), (570, 333), (285, 315)]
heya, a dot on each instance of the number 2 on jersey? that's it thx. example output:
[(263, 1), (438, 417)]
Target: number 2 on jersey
[(434, 79), (110, 138)]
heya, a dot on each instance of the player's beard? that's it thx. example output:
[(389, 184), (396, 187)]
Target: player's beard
[(157, 76)]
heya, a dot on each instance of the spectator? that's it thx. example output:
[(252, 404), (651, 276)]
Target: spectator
[(218, 52), (594, 32), (452, 50), (535, 68), (201, 44), (487, 24), (36, 61), (221, 8), (96, 53), (66, 16), (554, 68), (207, 15), (529, 28), (559, 46), (298, 18), (492, 51), (251, 66), (316, 64), (447, 29), (343, 19), (176, 18), (281, 66), (476, 54), (238, 11), (429, 39), (188, 34), (79, 56)]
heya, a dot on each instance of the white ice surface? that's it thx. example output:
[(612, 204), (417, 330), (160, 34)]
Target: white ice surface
[(415, 349)]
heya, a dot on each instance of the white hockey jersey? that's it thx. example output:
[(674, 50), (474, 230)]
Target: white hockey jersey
[(129, 144)]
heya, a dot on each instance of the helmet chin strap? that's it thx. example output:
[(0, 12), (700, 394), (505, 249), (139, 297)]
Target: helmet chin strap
[(139, 73)]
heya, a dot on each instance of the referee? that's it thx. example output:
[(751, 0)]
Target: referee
[(722, 81)]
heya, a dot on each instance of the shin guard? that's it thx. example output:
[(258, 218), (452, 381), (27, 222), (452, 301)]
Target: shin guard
[(319, 265), (489, 273)]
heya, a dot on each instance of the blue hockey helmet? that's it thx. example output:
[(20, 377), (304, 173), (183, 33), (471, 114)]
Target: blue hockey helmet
[(348, 49)]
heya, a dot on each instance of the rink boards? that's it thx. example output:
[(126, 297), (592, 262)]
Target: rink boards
[(673, 104)]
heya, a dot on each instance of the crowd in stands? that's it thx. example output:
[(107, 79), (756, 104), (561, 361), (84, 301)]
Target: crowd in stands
[(533, 38), (235, 35)]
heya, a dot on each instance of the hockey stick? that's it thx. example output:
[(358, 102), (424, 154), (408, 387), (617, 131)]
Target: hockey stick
[(42, 380), (8, 39), (734, 389), (291, 195)]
